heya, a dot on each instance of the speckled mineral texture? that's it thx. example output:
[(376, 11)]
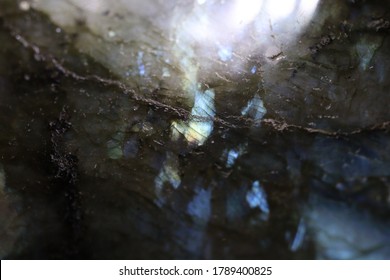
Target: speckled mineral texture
[(194, 129)]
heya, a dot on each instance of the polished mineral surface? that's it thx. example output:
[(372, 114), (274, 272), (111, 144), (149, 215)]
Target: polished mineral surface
[(186, 129)]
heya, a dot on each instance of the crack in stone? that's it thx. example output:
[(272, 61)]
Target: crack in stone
[(228, 121)]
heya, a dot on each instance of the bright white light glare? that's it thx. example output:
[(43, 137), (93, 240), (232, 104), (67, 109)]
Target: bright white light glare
[(280, 9), (216, 28), (225, 24), (244, 11), (289, 13), (308, 7), (24, 6), (213, 23)]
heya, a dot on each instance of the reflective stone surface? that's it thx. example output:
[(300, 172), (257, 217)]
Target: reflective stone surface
[(194, 129)]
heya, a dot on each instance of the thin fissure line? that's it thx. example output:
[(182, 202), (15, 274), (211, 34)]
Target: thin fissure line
[(182, 113)]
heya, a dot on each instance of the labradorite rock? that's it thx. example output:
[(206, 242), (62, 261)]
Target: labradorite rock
[(194, 130)]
